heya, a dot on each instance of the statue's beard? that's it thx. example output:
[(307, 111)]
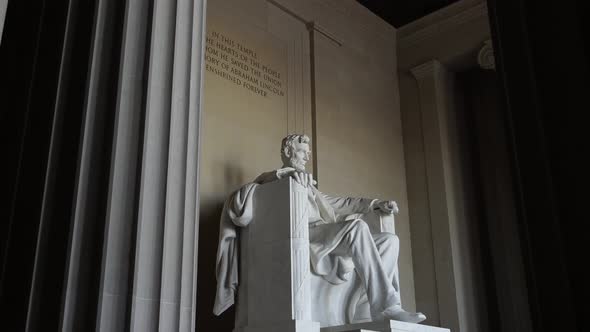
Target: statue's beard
[(297, 164)]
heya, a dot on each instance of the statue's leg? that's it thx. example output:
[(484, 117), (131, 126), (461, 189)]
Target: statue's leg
[(388, 246), (358, 243)]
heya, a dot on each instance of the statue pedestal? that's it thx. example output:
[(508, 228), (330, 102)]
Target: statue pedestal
[(384, 326), (289, 326)]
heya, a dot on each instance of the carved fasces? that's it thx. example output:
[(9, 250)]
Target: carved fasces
[(300, 252)]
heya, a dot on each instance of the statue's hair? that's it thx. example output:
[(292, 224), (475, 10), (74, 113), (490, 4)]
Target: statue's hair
[(290, 140)]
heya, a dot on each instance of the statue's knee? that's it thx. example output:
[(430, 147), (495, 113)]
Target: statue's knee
[(391, 240), (358, 229), (361, 225)]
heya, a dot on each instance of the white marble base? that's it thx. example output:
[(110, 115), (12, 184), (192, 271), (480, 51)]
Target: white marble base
[(290, 326), (384, 326)]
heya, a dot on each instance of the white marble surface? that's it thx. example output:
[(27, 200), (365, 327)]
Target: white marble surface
[(385, 326), (287, 326), (275, 265), (274, 289), (342, 244), (284, 224)]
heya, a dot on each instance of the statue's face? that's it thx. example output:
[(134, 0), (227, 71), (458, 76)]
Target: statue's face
[(299, 156)]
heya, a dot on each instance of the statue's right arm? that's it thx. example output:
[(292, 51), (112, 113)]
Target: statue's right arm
[(274, 175), (305, 179)]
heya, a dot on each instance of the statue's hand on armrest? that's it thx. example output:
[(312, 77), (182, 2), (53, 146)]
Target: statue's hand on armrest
[(303, 178), (381, 218), (284, 172), (388, 207)]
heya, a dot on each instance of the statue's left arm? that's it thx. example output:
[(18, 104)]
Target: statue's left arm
[(350, 205)]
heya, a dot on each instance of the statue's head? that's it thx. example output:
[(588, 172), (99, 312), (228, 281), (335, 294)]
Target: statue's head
[(295, 151)]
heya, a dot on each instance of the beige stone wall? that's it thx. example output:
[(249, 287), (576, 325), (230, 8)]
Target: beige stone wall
[(354, 107), (243, 123), (359, 134)]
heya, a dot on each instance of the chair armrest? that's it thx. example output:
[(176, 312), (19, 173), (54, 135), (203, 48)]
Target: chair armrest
[(380, 222), (275, 255)]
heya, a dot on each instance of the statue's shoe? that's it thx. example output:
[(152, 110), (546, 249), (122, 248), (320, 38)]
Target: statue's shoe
[(397, 313)]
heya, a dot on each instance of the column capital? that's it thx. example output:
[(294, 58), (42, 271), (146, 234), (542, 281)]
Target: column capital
[(427, 69), (485, 57)]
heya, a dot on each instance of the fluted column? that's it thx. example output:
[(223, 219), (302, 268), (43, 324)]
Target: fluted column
[(121, 209), (3, 7), (435, 88), (190, 234), (152, 188), (148, 277), (166, 225), (113, 223), (181, 186)]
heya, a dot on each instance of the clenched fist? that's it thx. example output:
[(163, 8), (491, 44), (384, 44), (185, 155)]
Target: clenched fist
[(387, 206)]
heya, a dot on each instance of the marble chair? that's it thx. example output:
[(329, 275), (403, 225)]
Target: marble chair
[(277, 291)]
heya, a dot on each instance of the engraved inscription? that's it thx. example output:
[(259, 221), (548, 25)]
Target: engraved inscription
[(242, 65)]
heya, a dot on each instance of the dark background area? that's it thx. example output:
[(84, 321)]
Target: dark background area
[(398, 13), (43, 84), (542, 53)]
